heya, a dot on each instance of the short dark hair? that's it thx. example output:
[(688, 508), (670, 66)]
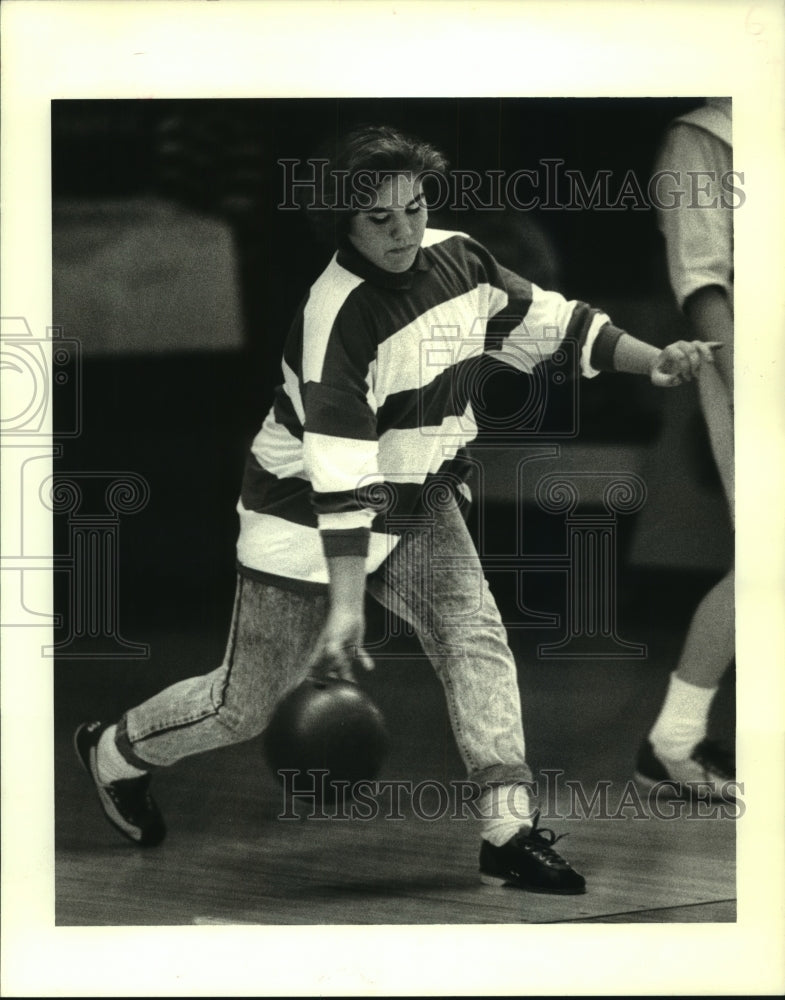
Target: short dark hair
[(373, 149)]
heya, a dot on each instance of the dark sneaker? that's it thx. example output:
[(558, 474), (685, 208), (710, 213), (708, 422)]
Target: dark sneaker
[(708, 768), (528, 861), (127, 804)]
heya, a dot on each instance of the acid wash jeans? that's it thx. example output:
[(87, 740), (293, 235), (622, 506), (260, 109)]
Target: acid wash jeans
[(433, 580)]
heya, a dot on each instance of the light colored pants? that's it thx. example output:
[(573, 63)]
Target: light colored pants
[(433, 580)]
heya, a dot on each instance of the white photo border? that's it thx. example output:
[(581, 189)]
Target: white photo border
[(218, 48)]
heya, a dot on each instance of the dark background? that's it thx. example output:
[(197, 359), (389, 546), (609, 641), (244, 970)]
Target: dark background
[(183, 419), (221, 157)]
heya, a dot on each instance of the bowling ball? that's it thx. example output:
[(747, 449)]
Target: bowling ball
[(330, 725)]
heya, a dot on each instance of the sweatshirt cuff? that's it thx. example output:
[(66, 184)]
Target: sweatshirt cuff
[(351, 542), (604, 347)]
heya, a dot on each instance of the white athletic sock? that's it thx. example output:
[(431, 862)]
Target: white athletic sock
[(110, 763), (682, 719), (505, 809)]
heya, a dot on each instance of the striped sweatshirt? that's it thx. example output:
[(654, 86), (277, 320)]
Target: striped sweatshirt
[(372, 413)]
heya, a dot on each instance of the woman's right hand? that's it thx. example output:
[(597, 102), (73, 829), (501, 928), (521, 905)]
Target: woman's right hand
[(339, 645)]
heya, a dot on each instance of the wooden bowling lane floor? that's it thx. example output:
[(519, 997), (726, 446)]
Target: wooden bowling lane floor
[(418, 874), (228, 859)]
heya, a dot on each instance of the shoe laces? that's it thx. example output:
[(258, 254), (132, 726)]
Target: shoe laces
[(134, 792), (540, 840)]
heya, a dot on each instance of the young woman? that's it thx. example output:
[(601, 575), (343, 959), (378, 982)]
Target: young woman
[(367, 429)]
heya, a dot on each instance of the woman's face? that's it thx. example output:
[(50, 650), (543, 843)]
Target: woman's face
[(389, 233)]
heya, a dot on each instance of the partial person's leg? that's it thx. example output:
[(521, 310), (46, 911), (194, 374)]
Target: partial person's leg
[(678, 749), (711, 640), (716, 399), (708, 652)]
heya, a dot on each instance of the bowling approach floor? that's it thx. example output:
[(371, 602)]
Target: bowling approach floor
[(229, 859)]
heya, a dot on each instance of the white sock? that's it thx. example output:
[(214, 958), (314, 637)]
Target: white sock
[(110, 763), (682, 719), (505, 809)]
